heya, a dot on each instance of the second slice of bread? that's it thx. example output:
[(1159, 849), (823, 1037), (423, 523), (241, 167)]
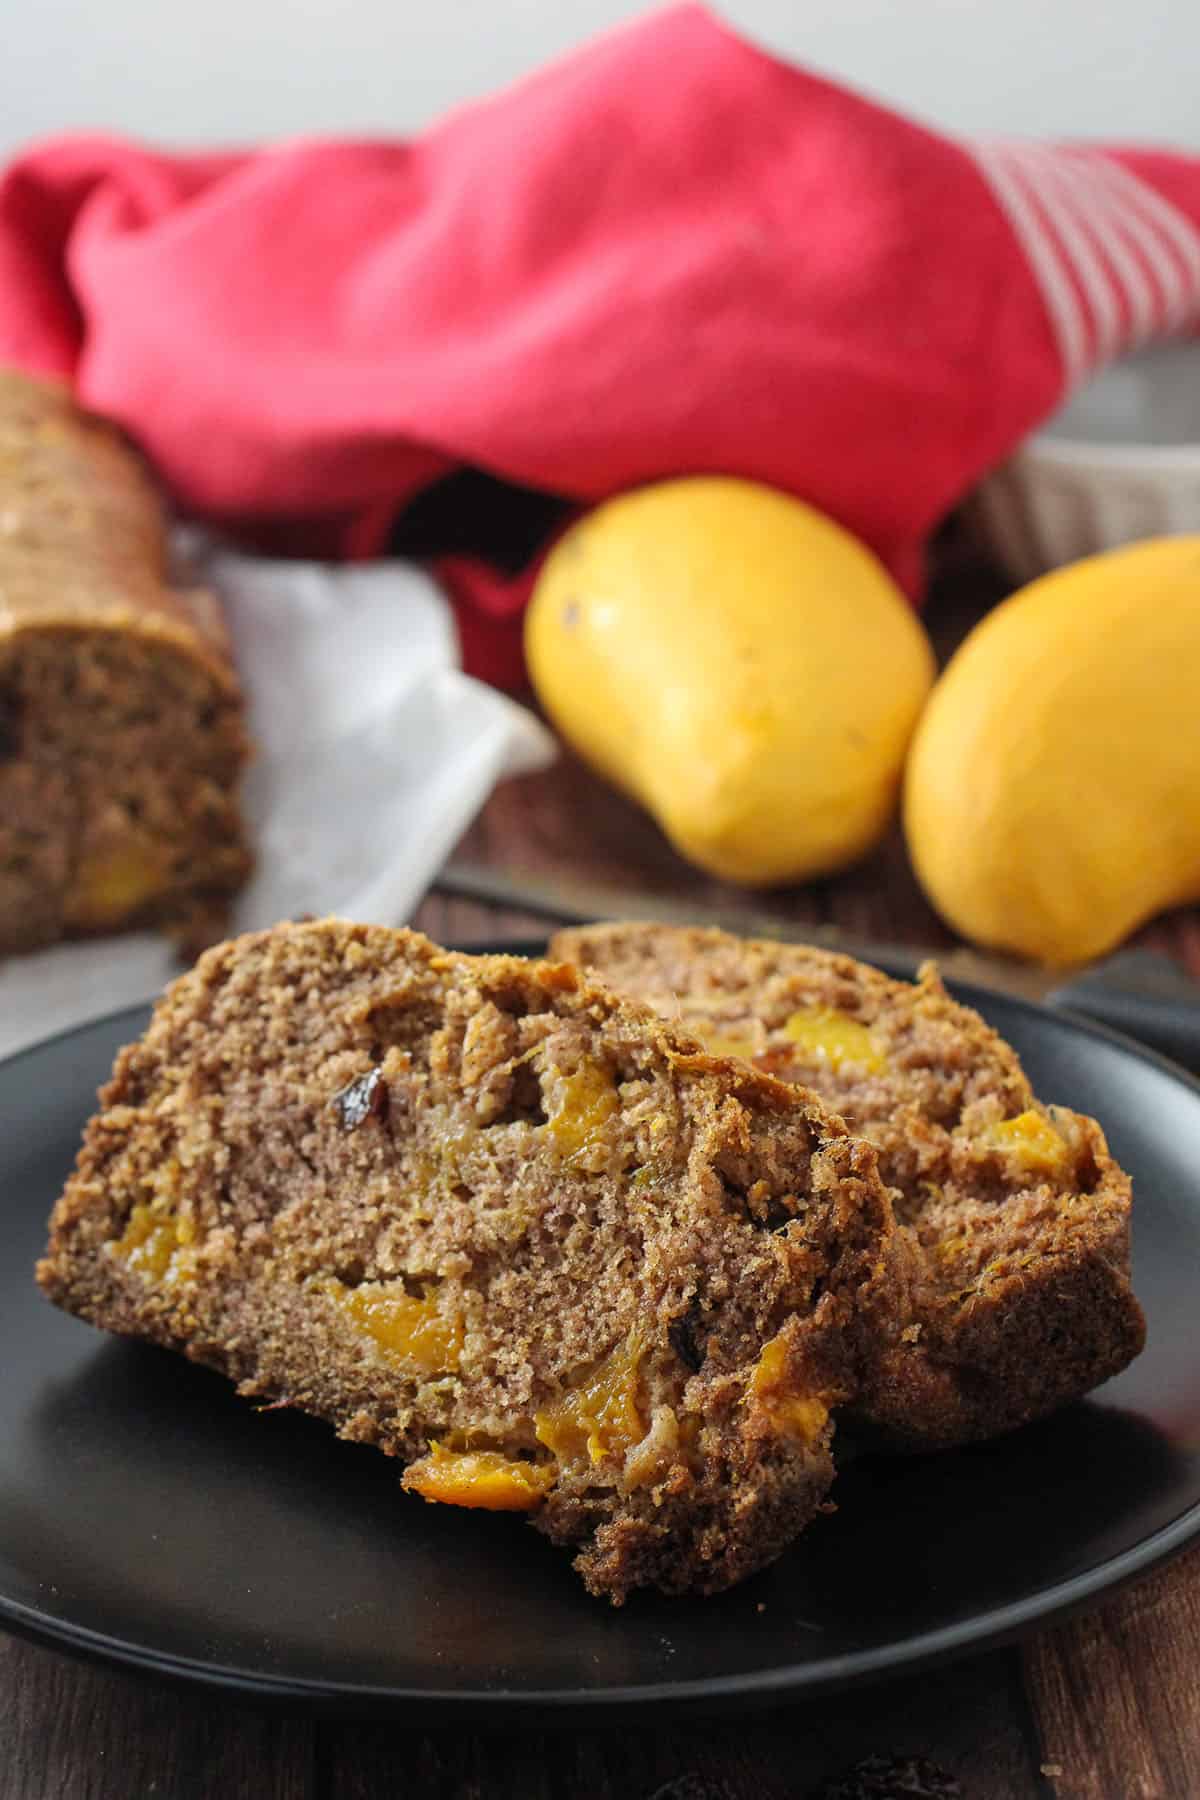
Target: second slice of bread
[(1018, 1214)]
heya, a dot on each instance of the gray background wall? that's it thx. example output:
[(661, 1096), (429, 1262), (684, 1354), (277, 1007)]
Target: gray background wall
[(188, 71)]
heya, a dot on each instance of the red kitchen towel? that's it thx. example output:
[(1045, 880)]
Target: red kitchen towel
[(670, 252)]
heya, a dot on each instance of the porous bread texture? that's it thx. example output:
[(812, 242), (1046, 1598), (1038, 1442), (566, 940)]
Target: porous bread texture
[(1018, 1215), (121, 731), (509, 1228)]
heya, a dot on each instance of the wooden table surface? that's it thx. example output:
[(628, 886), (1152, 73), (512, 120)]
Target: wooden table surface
[(1105, 1707)]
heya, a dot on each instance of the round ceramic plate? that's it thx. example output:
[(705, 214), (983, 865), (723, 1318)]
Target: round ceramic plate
[(151, 1517)]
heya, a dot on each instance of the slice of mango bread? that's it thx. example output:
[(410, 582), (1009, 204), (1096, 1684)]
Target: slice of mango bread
[(502, 1224), (1019, 1216)]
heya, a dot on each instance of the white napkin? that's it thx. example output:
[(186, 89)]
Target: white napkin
[(375, 752)]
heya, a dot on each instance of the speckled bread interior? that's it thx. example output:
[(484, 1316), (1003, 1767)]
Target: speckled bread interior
[(1018, 1215), (121, 720), (511, 1229)]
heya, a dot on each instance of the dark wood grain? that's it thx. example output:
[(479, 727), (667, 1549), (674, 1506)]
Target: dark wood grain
[(969, 1720), (1116, 1694), (69, 1731)]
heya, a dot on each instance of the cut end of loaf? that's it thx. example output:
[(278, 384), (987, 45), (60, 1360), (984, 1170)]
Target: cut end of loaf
[(510, 1229), (121, 731), (120, 756)]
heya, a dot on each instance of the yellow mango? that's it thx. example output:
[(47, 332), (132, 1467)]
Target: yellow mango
[(740, 665), (586, 1100), (1052, 796), (411, 1329), (1029, 1141), (110, 885), (157, 1243), (835, 1038), (794, 1414), (721, 1043), (601, 1417), (480, 1478)]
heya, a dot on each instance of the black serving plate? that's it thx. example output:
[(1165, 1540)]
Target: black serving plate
[(150, 1517)]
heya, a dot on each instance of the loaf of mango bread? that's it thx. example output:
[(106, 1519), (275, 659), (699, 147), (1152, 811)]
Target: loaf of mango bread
[(1018, 1216), (121, 727), (511, 1229)]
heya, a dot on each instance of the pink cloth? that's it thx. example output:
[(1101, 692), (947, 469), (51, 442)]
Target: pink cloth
[(667, 253)]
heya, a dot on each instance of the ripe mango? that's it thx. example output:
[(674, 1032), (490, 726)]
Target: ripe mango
[(739, 664), (1052, 795)]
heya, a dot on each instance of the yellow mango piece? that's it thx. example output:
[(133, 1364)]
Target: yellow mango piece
[(738, 663), (157, 1244), (108, 886), (586, 1100), (835, 1038), (1029, 1140), (601, 1417), (480, 1478), (1052, 797), (408, 1328), (793, 1414), (721, 1043)]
